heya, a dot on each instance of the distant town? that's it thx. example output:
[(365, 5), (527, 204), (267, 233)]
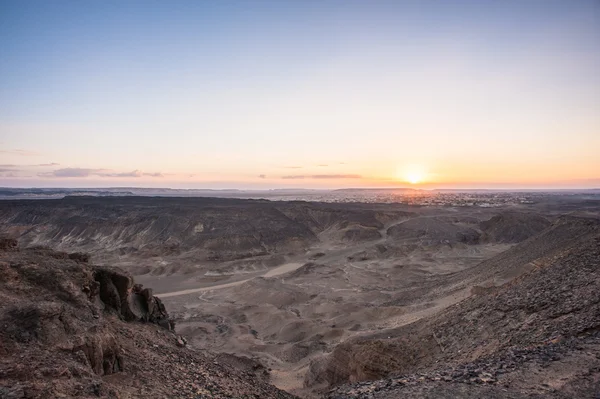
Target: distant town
[(407, 196)]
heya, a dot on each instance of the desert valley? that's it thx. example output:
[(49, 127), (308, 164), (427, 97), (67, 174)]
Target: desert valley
[(344, 299)]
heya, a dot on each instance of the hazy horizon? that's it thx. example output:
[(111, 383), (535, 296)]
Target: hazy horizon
[(269, 94), (423, 187)]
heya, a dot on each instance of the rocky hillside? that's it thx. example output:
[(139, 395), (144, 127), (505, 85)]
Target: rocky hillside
[(431, 231), (205, 229), (513, 227), (71, 329), (537, 335)]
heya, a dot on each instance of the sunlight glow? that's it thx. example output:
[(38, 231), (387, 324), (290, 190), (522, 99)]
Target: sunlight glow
[(421, 94), (414, 178), (413, 174)]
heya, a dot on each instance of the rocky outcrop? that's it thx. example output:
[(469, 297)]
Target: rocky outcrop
[(130, 301), (67, 325), (102, 352)]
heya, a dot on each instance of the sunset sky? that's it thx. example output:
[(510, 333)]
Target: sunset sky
[(266, 94)]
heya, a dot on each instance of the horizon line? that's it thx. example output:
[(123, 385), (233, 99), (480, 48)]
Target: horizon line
[(407, 188)]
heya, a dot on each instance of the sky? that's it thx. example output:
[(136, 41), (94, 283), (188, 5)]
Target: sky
[(314, 94)]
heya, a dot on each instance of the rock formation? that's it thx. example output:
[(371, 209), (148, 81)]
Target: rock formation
[(67, 326)]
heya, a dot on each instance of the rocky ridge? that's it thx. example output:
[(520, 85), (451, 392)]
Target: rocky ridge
[(71, 329), (208, 230), (535, 336)]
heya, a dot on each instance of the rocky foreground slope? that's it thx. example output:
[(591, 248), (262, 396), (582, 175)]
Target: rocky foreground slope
[(73, 330), (535, 336)]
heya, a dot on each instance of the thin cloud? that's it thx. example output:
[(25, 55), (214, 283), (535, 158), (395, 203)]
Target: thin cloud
[(86, 172), (322, 177), (135, 173), (8, 170), (25, 153), (72, 172), (336, 176), (322, 165), (293, 167), (262, 176), (26, 166)]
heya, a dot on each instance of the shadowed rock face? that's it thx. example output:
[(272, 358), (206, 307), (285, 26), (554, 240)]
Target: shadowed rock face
[(130, 301), (106, 289), (67, 326)]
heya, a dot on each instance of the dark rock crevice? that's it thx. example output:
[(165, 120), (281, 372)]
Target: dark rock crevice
[(131, 302)]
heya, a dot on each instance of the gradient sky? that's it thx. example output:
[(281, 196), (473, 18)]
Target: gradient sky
[(264, 94)]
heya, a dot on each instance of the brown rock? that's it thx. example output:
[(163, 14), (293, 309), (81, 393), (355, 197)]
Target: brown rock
[(8, 244)]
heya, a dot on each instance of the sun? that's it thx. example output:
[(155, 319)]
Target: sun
[(413, 174), (414, 177)]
